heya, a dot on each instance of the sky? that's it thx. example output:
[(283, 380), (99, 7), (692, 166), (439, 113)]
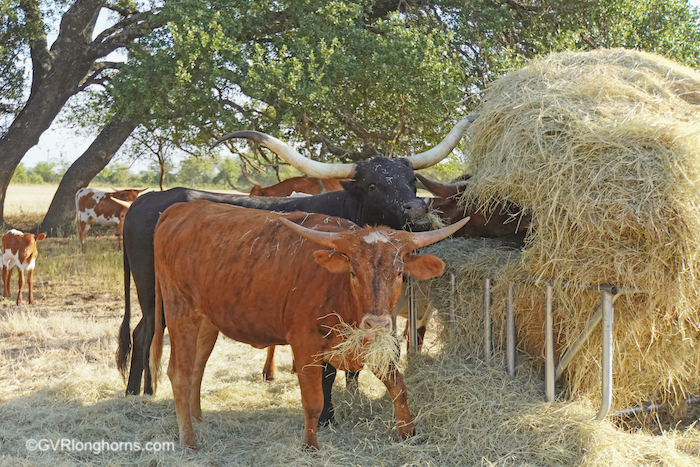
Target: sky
[(59, 142)]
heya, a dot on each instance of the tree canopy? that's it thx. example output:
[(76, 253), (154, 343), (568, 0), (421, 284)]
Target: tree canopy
[(342, 80)]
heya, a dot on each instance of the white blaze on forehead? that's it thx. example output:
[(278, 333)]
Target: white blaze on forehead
[(375, 236), (15, 232)]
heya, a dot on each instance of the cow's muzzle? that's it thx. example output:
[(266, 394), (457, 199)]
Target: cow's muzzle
[(382, 323)]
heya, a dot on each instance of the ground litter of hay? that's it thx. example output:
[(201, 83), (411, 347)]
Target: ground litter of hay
[(60, 382)]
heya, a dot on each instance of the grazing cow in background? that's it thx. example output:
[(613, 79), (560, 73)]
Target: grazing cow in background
[(248, 274), (96, 206), (308, 185), (381, 191), (19, 251), (504, 222)]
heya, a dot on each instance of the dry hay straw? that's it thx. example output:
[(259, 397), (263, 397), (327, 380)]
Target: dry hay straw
[(377, 349), (603, 149)]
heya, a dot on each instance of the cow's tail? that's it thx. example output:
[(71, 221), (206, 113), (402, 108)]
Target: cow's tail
[(124, 347), (157, 343)]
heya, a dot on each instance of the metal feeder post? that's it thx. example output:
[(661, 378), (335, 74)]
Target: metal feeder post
[(510, 333), (549, 343), (487, 321), (607, 357)]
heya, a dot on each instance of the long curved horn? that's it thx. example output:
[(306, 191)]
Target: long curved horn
[(421, 239), (318, 236), (444, 147), (304, 164), (413, 240), (126, 204), (445, 190)]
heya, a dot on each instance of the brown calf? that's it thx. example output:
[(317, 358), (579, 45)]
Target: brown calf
[(308, 185), (249, 274), (96, 206), (19, 251)]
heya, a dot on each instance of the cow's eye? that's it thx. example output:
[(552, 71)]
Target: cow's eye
[(371, 187), (352, 273)]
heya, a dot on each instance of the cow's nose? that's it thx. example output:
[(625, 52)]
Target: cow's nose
[(415, 208), (376, 322)]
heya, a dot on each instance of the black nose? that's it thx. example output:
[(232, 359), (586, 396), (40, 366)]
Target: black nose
[(416, 208)]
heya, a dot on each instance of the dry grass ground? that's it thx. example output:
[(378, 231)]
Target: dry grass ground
[(60, 383)]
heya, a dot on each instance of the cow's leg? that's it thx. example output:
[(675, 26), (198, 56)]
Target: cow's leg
[(328, 378), (269, 368), (83, 227), (206, 338), (133, 386), (21, 286), (420, 337), (312, 398), (397, 391), (30, 282), (183, 348), (6, 275)]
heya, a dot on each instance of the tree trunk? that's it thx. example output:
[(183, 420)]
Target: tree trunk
[(60, 218), (57, 76)]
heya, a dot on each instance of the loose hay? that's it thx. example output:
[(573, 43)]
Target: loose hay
[(603, 148), (56, 360), (378, 353)]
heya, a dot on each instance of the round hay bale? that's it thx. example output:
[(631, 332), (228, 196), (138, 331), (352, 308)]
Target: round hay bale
[(603, 148)]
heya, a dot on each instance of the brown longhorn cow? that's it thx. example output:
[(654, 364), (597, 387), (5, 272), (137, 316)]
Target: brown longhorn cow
[(261, 278), (505, 221), (308, 185)]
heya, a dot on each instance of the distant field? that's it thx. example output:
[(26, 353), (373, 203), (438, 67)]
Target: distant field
[(29, 198), (32, 199)]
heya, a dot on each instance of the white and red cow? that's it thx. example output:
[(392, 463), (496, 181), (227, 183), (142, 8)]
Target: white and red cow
[(261, 278), (19, 251), (96, 206)]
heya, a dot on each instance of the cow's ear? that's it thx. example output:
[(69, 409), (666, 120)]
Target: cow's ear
[(423, 267), (332, 260), (41, 236)]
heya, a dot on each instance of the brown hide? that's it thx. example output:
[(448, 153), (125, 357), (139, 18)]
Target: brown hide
[(243, 273), (19, 251), (503, 221), (309, 185), (95, 206)]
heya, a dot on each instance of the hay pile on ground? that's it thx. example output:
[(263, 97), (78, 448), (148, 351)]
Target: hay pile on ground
[(60, 383), (603, 148)]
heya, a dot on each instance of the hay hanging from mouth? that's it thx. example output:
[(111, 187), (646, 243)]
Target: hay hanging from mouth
[(377, 349)]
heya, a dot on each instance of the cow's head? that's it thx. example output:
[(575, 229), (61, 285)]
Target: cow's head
[(384, 188), (502, 220), (377, 259), (23, 245)]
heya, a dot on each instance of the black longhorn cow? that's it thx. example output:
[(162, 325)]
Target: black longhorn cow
[(382, 191)]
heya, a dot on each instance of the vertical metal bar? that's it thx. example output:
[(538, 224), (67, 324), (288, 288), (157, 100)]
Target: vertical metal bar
[(412, 318), (607, 355), (566, 359), (453, 290), (510, 333), (549, 343), (487, 320)]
